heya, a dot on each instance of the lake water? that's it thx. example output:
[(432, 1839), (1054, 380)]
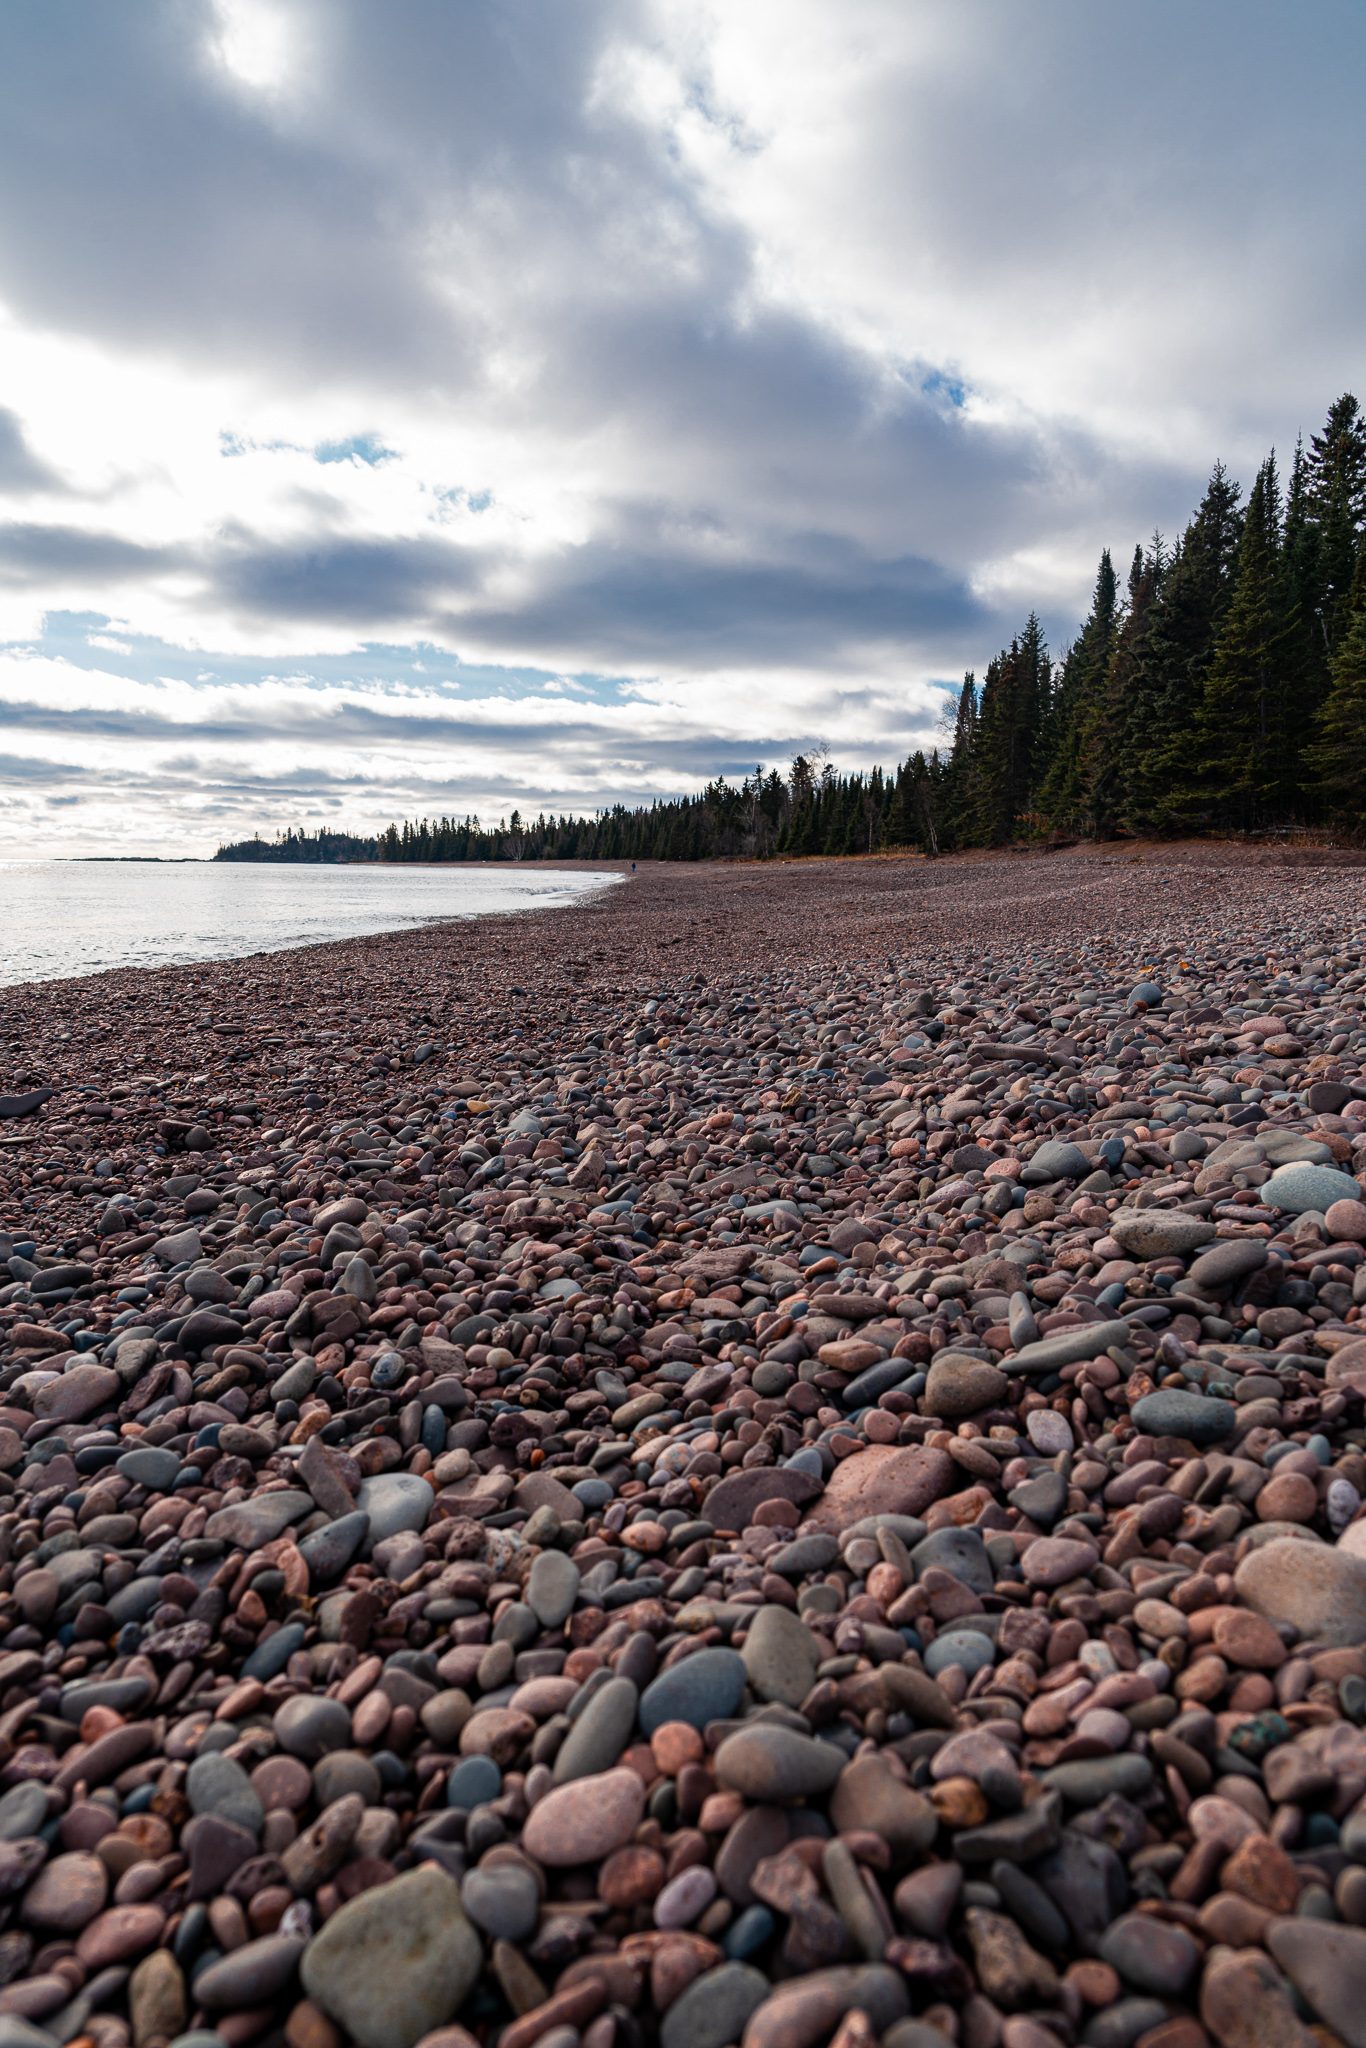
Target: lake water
[(61, 918)]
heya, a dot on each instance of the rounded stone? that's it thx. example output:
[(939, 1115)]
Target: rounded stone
[(505, 1900), (1159, 1233), (1151, 1954), (217, 1784), (395, 1501), (66, 1894), (601, 1732), (967, 1648), (473, 1781), (713, 2010), (1303, 1185), (1319, 1590), (395, 1962), (707, 1686), (250, 1976), (307, 1726), (552, 1586), (1049, 1432), (957, 1386), (1327, 1966), (1196, 1418), (780, 1656), (685, 1898), (1346, 1220), (771, 1764), (584, 1821)]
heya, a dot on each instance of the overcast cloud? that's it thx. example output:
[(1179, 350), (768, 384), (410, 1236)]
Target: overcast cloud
[(430, 407)]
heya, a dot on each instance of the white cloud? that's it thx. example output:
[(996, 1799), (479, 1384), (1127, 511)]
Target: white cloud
[(772, 360)]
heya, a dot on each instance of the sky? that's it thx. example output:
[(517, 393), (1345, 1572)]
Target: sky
[(435, 407)]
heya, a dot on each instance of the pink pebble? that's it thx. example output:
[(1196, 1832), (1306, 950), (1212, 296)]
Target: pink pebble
[(685, 1897)]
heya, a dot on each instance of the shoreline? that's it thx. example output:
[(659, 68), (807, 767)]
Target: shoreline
[(653, 1452), (888, 871), (311, 945)]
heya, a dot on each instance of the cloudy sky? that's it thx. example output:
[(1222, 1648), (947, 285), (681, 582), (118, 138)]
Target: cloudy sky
[(461, 404)]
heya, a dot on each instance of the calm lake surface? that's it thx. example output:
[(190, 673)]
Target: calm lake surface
[(61, 918)]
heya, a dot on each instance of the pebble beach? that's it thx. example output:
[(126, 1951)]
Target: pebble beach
[(776, 1458)]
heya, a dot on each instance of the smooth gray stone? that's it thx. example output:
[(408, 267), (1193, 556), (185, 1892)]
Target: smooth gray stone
[(14, 2031), (1092, 1779), (1199, 1418), (773, 1764), (504, 1901), (251, 1975), (1302, 1185), (780, 1656), (1227, 1261), (269, 1658), (1066, 1348), (397, 1961), (328, 1551), (600, 1734), (706, 1686), (250, 1523), (23, 1810), (959, 1552), (395, 1501), (1327, 1966), (216, 1784), (150, 1466), (714, 2008), (552, 1587), (124, 1695), (1055, 1159)]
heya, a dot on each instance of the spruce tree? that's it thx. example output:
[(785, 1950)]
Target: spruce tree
[(1193, 602), (1336, 492), (1103, 730), (1137, 681), (1244, 734), (958, 773), (1061, 793), (1339, 752)]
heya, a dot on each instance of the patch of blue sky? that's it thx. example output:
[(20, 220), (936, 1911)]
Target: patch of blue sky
[(230, 444), (367, 448), (462, 500), (943, 385), (90, 640)]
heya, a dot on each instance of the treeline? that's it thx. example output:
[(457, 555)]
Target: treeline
[(310, 849), (1222, 688)]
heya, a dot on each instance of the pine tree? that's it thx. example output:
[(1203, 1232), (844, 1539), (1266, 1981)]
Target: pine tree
[(1032, 706), (987, 802), (1339, 753), (1243, 722), (1137, 679), (958, 774), (901, 829), (1062, 789), (1103, 725), (1336, 493), (1193, 602)]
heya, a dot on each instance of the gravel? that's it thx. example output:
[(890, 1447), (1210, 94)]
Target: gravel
[(803, 1464)]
